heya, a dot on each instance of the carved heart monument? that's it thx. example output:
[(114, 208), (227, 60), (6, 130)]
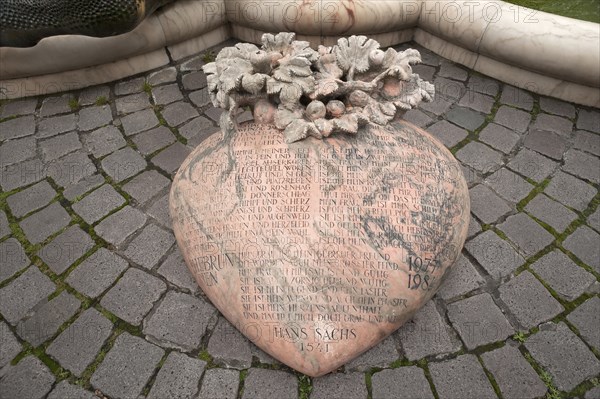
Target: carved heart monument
[(322, 226)]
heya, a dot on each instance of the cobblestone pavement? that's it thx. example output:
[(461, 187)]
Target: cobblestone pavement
[(95, 298)]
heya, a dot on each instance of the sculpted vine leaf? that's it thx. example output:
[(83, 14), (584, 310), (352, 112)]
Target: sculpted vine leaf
[(347, 123), (352, 54)]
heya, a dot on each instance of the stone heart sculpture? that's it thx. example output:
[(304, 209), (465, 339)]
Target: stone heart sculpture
[(317, 250)]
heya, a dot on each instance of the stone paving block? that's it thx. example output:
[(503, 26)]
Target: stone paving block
[(171, 158), (462, 279), (165, 75), (29, 378), (547, 143), (180, 322), (194, 127), (228, 347), (132, 103), (133, 296), (557, 107), (200, 98), (116, 228), (166, 94), (461, 378), (477, 102), (9, 345), (533, 165), (426, 72), (474, 227), (139, 121), (193, 64), (123, 164), (18, 127), (587, 319), (403, 382), (23, 294), (509, 185), (178, 377), (570, 191), (515, 377), (589, 120), (551, 212), (98, 204), (486, 205), (594, 220), (127, 368), (56, 105), (483, 84), (450, 90), (103, 141), (194, 80), (177, 273), (90, 95), (153, 140), (20, 107), (584, 243), (59, 124), (349, 386), (582, 165), (551, 123), (85, 185), (160, 211), (98, 272), (514, 119), (381, 355), (46, 320), (64, 390), (494, 254), (71, 168), (499, 137), (465, 118), (31, 199), (452, 71), (480, 157), (529, 236), (564, 356), (15, 151), (220, 383), (77, 347), (586, 141), (150, 246), (516, 97), (426, 334), (438, 106), (44, 223), (59, 146), (563, 275), (146, 185), (94, 117), (479, 321), (12, 257), (529, 301), (593, 393), (449, 134), (21, 174), (270, 384), (4, 227), (65, 249), (177, 113), (203, 135), (129, 86)]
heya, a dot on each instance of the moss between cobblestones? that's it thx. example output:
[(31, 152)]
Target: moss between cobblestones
[(8, 118), (243, 375), (538, 189), (101, 101), (147, 87), (204, 355), (304, 386), (84, 380), (490, 377), (369, 382), (581, 389), (553, 392), (74, 105), (152, 379), (208, 56), (487, 348), (401, 363)]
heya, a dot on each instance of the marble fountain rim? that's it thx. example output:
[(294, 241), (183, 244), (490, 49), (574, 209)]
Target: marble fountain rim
[(513, 47)]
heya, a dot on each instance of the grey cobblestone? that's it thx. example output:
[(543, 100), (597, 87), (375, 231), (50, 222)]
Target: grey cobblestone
[(403, 382), (150, 246), (564, 356), (494, 254), (19, 107), (13, 258), (551, 212), (486, 205), (381, 355), (587, 318), (9, 345), (56, 105), (127, 367), (65, 249), (462, 279), (90, 95), (132, 103), (477, 101), (547, 143), (146, 185), (594, 220), (474, 227), (83, 186), (77, 346), (46, 320), (44, 223), (465, 118), (582, 165), (589, 120), (31, 199), (139, 121), (177, 273), (480, 157), (171, 158), (563, 275), (98, 204), (349, 386), (516, 97), (194, 127), (165, 75), (483, 84), (220, 383), (116, 228), (180, 321), (94, 117), (509, 185), (163, 95), (193, 64), (557, 107), (450, 90), (203, 135), (449, 134), (71, 168), (570, 191), (160, 211), (59, 146), (59, 124), (4, 227), (461, 378), (194, 80), (532, 165), (18, 127), (529, 301), (270, 384), (514, 119), (153, 140), (64, 390), (98, 272), (123, 164), (529, 236), (214, 113), (23, 294), (583, 243), (177, 113), (551, 123), (200, 98), (103, 141), (178, 377), (426, 72), (21, 174), (129, 86), (133, 296), (438, 106), (228, 347), (29, 378), (586, 141), (593, 393), (499, 137), (15, 151)]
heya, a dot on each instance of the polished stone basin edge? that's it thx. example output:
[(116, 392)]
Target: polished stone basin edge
[(544, 53)]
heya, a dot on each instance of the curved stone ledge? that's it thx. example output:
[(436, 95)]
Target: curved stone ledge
[(513, 44)]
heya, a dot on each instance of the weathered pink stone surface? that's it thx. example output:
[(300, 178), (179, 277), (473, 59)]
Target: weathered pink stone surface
[(317, 250)]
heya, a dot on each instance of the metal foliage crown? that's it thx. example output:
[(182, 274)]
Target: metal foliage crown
[(316, 93)]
